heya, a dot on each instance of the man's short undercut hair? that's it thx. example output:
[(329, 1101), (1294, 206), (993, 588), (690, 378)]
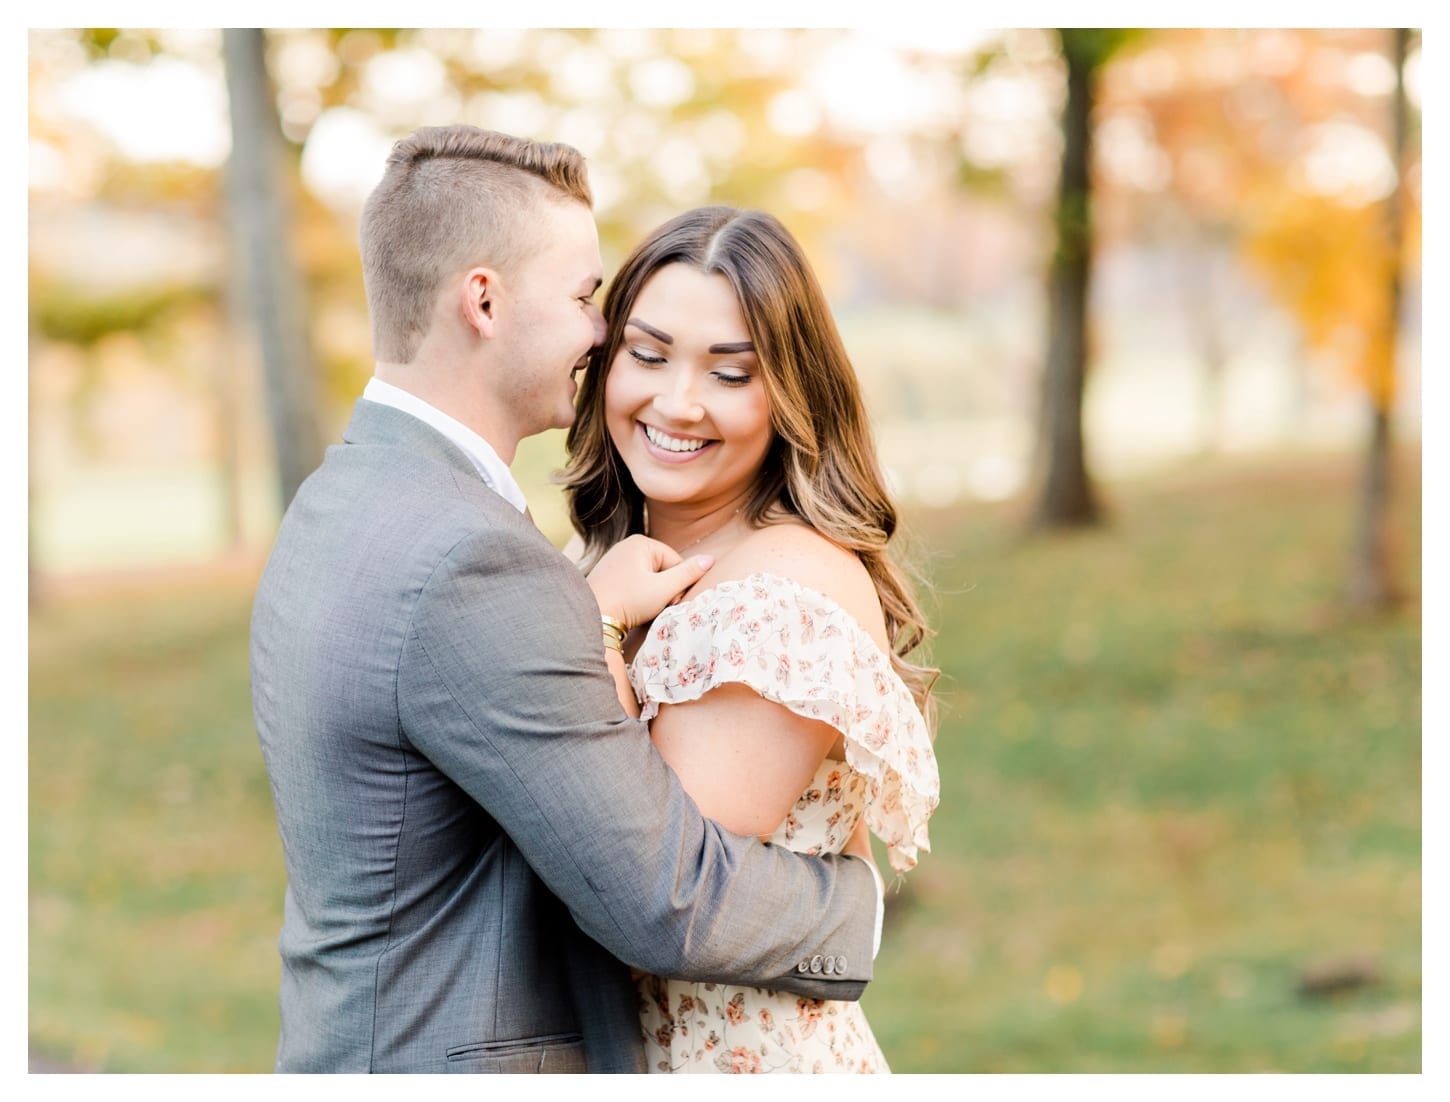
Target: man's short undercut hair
[(451, 198)]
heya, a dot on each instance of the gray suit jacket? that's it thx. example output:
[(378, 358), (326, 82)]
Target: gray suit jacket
[(467, 814)]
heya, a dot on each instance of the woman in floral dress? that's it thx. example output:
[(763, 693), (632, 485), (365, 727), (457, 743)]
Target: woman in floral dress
[(723, 418)]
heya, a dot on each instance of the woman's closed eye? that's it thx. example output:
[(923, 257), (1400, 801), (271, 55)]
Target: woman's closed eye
[(729, 378), (645, 357)]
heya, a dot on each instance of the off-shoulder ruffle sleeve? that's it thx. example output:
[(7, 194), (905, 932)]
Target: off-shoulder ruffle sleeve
[(800, 649)]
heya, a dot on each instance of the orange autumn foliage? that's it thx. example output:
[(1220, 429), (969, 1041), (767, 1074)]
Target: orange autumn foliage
[(1229, 123), (1331, 265)]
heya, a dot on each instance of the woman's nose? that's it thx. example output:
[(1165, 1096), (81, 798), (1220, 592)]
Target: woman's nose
[(677, 400)]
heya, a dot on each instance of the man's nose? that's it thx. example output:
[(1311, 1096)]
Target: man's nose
[(600, 329)]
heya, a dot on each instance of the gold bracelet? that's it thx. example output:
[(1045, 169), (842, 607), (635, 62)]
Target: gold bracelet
[(614, 633)]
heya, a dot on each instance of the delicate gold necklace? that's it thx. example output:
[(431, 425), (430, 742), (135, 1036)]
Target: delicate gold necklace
[(712, 532)]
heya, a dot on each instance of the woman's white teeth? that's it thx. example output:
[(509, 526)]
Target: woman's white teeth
[(671, 443)]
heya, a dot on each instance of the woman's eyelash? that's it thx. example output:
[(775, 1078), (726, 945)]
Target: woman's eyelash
[(643, 357)]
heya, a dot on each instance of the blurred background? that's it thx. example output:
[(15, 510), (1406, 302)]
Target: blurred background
[(1137, 313)]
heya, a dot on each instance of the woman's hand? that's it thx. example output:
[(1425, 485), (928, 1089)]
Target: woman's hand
[(638, 577)]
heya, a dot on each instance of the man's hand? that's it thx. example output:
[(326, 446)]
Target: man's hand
[(638, 577)]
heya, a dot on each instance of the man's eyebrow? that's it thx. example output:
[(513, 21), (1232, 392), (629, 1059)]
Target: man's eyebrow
[(659, 335), (737, 346)]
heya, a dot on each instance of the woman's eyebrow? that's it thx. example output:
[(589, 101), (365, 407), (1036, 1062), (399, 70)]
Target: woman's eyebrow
[(715, 349), (659, 335)]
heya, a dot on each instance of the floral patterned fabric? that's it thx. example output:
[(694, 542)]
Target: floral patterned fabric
[(800, 649)]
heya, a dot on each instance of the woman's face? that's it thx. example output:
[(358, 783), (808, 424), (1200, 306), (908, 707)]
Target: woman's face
[(683, 401)]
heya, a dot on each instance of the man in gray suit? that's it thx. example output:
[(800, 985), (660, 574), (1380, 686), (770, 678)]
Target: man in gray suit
[(478, 840)]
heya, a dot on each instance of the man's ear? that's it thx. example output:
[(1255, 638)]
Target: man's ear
[(480, 300)]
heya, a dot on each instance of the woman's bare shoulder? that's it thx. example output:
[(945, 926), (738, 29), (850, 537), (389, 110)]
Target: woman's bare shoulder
[(797, 551)]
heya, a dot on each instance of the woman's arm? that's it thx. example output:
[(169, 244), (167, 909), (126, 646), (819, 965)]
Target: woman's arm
[(743, 759), (622, 688)]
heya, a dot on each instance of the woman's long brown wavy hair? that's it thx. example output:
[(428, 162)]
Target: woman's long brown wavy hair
[(821, 466)]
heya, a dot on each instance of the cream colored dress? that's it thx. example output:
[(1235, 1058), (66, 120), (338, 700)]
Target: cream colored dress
[(801, 649)]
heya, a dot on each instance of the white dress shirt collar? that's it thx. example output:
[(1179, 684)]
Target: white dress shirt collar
[(491, 468)]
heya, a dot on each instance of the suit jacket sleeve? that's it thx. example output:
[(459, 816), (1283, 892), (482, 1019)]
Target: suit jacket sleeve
[(503, 686)]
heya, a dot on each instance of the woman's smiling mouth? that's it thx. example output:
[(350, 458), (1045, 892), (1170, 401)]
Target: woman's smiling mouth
[(665, 445)]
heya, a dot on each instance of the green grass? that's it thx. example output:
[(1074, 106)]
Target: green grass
[(1174, 777), (155, 868)]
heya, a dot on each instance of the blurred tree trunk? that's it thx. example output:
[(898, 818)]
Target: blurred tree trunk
[(1065, 493), (257, 196), (32, 573), (226, 399), (1371, 575)]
